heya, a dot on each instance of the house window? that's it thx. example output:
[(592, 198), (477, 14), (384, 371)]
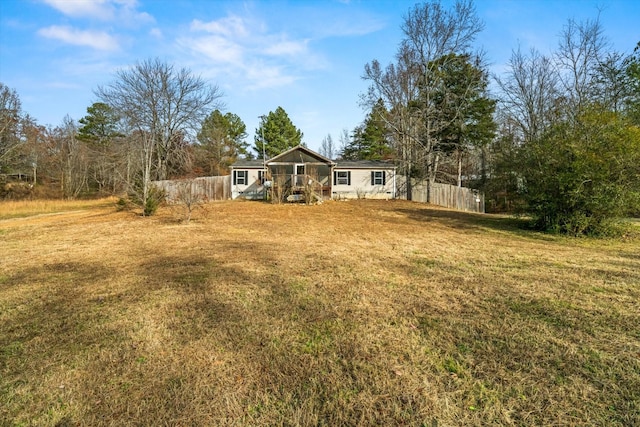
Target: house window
[(378, 178), (240, 177), (261, 177), (342, 177)]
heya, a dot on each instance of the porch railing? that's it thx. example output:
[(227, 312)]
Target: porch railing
[(300, 186)]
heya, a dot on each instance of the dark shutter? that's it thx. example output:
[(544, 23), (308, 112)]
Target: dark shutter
[(335, 178), (349, 178), (373, 178), (384, 178), (235, 177)]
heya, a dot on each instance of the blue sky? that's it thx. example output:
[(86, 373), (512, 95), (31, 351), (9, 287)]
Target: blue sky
[(305, 56)]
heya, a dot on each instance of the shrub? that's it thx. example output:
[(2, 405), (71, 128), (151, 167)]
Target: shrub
[(581, 176), (148, 202), (154, 198)]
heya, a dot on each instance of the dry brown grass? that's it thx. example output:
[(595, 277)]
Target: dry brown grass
[(25, 208), (345, 313)]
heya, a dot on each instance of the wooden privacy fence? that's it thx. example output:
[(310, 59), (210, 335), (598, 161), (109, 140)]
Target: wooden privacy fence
[(461, 198), (449, 196), (206, 188)]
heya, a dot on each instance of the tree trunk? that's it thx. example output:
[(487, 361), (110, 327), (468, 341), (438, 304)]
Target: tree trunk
[(459, 169)]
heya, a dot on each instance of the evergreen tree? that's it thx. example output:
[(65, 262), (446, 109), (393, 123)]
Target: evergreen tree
[(276, 134), (99, 125), (464, 109), (222, 140), (100, 133), (370, 140)]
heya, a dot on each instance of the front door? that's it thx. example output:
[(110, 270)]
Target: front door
[(298, 174)]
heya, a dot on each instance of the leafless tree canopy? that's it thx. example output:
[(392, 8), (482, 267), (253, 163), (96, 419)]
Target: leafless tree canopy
[(432, 31), (10, 116), (163, 103), (539, 90), (163, 107), (529, 91), (327, 147), (581, 49)]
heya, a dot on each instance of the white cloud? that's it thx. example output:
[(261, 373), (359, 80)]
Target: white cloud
[(95, 39), (341, 28), (101, 9), (215, 48), (156, 32), (246, 51), (231, 26), (286, 48), (264, 76), (122, 11)]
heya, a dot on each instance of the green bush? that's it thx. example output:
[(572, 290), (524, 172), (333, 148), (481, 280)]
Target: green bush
[(154, 199), (582, 176), (150, 203)]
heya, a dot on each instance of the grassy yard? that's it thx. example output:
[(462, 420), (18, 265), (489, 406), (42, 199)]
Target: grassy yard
[(345, 313)]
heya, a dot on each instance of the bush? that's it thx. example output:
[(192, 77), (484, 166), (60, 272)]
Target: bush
[(150, 203), (123, 204), (581, 177), (15, 190), (154, 198)]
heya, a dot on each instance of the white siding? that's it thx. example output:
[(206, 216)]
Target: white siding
[(253, 189), (361, 186)]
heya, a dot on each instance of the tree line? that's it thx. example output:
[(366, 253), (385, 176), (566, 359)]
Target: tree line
[(153, 122), (555, 137)]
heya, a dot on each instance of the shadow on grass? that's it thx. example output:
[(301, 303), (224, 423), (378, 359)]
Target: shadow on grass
[(61, 315), (53, 327), (282, 353), (225, 341), (473, 221)]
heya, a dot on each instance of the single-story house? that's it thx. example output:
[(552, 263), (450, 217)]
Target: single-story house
[(300, 172)]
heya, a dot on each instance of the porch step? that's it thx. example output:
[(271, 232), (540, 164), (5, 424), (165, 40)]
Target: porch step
[(295, 198)]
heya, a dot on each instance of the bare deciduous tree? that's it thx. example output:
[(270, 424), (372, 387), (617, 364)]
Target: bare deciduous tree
[(529, 93), (345, 140), (162, 106), (10, 115), (189, 197), (581, 50), (71, 158), (327, 148), (612, 85)]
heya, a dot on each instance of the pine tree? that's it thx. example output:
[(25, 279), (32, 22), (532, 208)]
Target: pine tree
[(99, 125), (464, 109), (276, 134), (222, 139), (370, 140)]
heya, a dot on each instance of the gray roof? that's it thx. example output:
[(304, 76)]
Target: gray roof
[(363, 164), (244, 163), (339, 164)]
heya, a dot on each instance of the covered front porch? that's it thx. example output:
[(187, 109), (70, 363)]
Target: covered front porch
[(299, 174)]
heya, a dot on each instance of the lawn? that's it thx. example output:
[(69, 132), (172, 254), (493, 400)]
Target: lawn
[(346, 313)]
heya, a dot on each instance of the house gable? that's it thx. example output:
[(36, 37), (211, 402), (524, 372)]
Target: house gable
[(299, 154)]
